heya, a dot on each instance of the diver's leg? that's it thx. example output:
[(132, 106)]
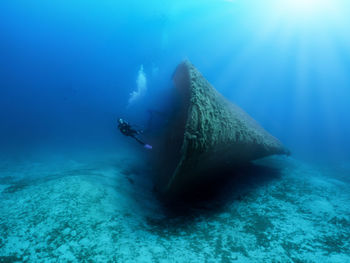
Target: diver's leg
[(141, 142), (138, 140)]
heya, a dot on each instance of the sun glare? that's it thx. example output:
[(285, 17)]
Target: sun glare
[(307, 10), (305, 6)]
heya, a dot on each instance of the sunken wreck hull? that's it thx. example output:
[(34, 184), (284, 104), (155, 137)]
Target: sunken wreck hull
[(207, 134)]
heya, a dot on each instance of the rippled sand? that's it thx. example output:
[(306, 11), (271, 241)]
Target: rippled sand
[(84, 211)]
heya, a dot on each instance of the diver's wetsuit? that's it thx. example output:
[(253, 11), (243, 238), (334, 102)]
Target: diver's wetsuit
[(125, 128)]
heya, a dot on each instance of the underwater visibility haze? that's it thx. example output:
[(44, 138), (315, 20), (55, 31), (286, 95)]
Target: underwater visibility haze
[(204, 90)]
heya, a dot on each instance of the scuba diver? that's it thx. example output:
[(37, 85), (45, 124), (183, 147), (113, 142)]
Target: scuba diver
[(126, 129)]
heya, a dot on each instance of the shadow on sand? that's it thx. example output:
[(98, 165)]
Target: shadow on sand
[(231, 186), (211, 198)]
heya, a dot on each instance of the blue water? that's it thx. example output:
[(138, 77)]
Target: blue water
[(68, 68)]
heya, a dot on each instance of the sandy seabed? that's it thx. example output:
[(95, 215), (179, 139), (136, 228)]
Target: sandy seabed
[(106, 211)]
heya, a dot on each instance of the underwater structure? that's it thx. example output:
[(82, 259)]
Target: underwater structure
[(207, 134)]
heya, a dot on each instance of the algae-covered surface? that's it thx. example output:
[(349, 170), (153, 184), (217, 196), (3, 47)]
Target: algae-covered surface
[(76, 211), (216, 132)]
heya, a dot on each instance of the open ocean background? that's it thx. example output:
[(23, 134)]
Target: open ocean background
[(73, 188)]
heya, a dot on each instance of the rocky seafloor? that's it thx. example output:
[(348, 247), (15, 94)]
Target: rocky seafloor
[(106, 211)]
